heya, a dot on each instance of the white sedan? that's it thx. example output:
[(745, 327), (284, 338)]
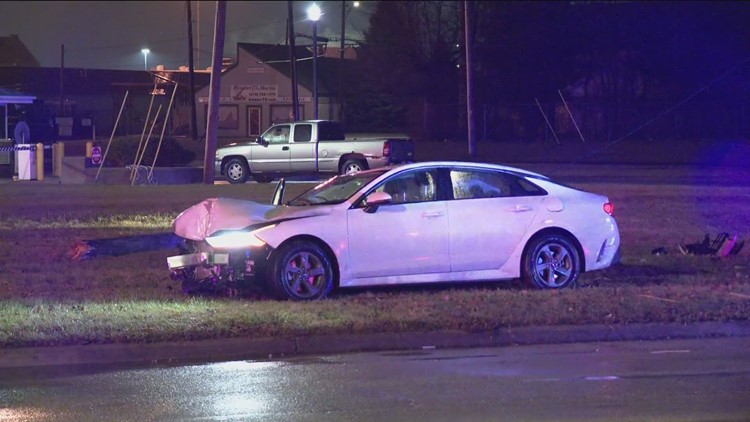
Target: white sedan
[(416, 223)]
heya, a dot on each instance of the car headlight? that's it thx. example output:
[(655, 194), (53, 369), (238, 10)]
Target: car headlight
[(238, 239)]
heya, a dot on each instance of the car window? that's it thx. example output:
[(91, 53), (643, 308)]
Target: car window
[(473, 184), (278, 135), (336, 189), (411, 187), (302, 133)]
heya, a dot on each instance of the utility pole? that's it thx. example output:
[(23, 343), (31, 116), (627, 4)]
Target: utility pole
[(293, 59), (214, 94), (341, 62), (469, 81), (191, 74)]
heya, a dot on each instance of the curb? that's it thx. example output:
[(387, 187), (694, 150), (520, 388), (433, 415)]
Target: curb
[(264, 348)]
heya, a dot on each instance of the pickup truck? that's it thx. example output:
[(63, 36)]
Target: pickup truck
[(308, 147)]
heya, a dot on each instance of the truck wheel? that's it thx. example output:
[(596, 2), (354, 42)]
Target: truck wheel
[(353, 166), (237, 170)]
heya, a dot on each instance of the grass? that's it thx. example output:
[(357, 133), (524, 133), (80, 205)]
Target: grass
[(47, 299)]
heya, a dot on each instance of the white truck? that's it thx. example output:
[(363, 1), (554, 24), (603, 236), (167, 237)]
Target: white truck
[(308, 147)]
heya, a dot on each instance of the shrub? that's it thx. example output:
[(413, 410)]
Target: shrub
[(171, 153)]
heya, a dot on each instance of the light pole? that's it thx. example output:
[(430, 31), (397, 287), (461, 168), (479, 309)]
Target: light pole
[(145, 52), (314, 13)]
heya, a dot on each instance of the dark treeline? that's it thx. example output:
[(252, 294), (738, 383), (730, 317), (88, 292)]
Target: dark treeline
[(618, 62)]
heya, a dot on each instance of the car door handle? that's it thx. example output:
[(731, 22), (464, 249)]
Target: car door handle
[(432, 214), (520, 208), (285, 148)]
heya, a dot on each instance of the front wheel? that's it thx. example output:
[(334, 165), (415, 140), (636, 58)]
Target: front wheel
[(237, 170), (551, 262), (301, 271), (353, 166)]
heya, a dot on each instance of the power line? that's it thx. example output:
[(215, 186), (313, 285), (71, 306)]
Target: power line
[(668, 109)]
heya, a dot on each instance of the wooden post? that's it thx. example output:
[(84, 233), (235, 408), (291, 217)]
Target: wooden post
[(469, 82), (39, 161), (214, 94)]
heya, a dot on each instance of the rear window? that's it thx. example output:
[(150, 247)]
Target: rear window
[(302, 133), (330, 131)]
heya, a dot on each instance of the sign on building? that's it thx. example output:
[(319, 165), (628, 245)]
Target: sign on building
[(254, 93)]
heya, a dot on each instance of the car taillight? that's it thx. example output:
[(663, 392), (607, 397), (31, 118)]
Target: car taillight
[(386, 148), (609, 208)]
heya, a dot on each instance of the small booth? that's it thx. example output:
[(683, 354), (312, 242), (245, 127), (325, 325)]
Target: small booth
[(20, 131)]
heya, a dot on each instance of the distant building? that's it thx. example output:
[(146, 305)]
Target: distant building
[(85, 102), (257, 90)]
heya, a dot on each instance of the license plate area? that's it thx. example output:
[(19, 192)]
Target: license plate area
[(197, 259)]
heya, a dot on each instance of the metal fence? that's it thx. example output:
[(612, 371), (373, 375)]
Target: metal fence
[(594, 120)]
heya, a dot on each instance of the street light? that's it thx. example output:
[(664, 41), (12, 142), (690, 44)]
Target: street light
[(314, 13), (145, 52)]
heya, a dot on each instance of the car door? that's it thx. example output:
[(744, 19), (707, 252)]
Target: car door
[(408, 236), (274, 156), (489, 215), (302, 149)]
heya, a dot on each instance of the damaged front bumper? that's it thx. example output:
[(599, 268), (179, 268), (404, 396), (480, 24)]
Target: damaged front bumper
[(201, 259), (206, 271)]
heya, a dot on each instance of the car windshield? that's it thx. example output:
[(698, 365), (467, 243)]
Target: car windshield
[(336, 189)]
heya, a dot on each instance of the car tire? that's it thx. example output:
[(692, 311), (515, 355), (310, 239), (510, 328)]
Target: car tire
[(263, 178), (353, 166), (301, 271), (236, 170), (551, 262)]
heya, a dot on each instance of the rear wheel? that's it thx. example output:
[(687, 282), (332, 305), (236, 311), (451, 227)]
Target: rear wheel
[(353, 166), (301, 271), (236, 170), (551, 262)]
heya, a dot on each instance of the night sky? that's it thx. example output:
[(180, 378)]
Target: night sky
[(111, 34)]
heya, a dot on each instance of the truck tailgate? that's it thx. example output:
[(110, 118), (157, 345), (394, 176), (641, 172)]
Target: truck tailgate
[(401, 150)]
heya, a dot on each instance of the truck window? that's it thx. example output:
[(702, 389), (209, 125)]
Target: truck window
[(279, 135), (330, 131), (302, 133)]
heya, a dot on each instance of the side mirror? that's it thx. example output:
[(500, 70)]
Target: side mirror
[(278, 194), (261, 141), (375, 200)]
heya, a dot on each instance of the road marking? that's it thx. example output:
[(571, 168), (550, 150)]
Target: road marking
[(602, 378), (660, 352)]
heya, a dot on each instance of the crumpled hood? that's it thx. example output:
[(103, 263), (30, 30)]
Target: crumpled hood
[(211, 215)]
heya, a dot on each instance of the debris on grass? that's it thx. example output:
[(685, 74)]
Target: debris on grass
[(87, 249), (722, 246)]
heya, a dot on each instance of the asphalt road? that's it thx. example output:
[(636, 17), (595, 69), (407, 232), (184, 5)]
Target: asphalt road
[(675, 380)]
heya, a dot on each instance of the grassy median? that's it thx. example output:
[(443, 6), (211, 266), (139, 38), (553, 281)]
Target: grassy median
[(47, 299)]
